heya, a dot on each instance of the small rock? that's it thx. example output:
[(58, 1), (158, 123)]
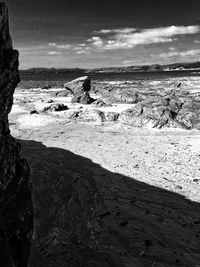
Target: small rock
[(34, 112)]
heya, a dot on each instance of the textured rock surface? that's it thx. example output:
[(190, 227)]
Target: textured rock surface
[(123, 97), (168, 111), (15, 197), (92, 115), (87, 216), (80, 88)]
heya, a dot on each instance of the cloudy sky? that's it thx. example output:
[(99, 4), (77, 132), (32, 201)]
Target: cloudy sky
[(90, 33)]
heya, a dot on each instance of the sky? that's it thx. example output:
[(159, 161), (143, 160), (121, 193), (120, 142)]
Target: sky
[(104, 33)]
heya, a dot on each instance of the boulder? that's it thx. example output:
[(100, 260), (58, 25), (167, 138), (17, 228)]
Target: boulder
[(92, 116), (16, 211), (84, 98), (55, 107), (72, 114), (156, 112), (79, 85), (111, 116), (79, 88), (189, 115)]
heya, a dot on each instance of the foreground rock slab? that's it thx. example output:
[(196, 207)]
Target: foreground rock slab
[(15, 197), (89, 216)]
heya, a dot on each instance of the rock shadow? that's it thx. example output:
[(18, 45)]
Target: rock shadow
[(87, 216)]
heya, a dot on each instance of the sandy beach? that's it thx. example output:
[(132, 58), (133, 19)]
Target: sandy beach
[(166, 158)]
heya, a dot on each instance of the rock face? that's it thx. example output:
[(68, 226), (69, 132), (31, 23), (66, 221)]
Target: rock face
[(15, 196), (80, 88)]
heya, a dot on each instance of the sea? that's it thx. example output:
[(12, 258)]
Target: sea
[(122, 76)]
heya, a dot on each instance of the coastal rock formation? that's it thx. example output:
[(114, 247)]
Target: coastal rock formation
[(79, 85), (79, 89), (15, 202), (121, 96), (157, 112)]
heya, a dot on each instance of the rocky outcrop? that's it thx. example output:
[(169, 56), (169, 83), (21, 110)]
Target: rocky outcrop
[(166, 111), (79, 85), (15, 196), (124, 97), (79, 88)]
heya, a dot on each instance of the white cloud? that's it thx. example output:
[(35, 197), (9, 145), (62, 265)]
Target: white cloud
[(52, 53), (96, 41), (128, 38), (120, 30), (62, 46), (52, 44), (81, 49), (197, 41), (66, 46), (192, 52)]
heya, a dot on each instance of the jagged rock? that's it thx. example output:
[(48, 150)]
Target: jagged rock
[(129, 97), (111, 116), (72, 114), (15, 205), (84, 98), (122, 97), (131, 116), (92, 116), (154, 112), (79, 89), (55, 107), (100, 103), (79, 85)]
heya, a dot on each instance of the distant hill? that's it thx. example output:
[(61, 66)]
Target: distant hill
[(142, 68), (154, 67), (38, 71)]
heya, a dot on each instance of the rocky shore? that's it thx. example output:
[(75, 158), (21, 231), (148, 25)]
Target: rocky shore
[(115, 180), (173, 106)]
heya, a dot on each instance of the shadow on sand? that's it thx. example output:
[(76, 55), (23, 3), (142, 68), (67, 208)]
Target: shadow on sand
[(87, 216)]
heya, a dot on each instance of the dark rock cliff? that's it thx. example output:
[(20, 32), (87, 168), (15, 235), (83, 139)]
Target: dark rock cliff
[(15, 196)]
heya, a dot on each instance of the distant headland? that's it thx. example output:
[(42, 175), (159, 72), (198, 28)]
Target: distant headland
[(188, 66)]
